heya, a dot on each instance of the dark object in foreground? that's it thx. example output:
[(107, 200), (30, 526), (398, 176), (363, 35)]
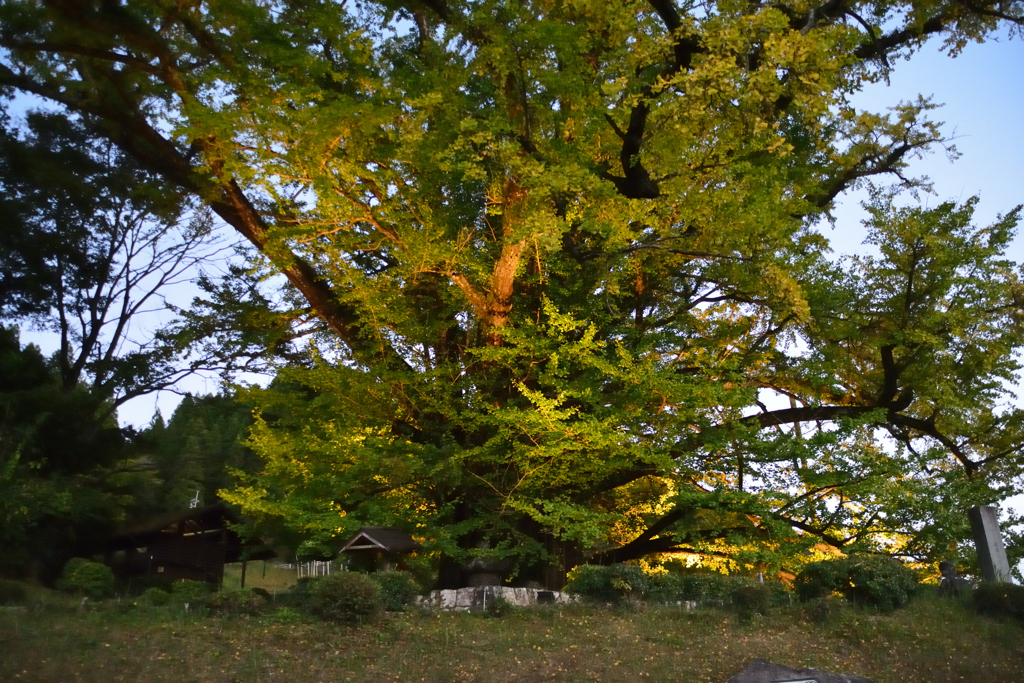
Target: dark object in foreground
[(952, 584), (760, 671)]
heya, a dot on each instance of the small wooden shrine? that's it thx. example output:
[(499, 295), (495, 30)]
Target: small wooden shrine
[(379, 548), (191, 544)]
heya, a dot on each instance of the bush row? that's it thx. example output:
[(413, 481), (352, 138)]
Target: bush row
[(625, 582), (868, 580), (1000, 600), (350, 597), (873, 581), (345, 597)]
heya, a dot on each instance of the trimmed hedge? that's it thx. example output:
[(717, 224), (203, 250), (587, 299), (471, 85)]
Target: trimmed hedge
[(237, 602), (871, 580), (88, 578), (1000, 599), (821, 579), (154, 597), (752, 598), (397, 589), (190, 591), (614, 583), (608, 583), (346, 597)]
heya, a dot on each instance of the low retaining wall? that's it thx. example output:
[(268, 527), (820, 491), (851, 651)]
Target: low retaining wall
[(479, 597)]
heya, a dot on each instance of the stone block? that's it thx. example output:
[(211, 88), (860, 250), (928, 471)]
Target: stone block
[(761, 671), (479, 597), (989, 542)]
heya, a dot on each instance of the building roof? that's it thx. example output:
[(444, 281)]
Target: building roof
[(386, 538), (194, 522)]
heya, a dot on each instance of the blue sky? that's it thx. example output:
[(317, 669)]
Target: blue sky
[(982, 91)]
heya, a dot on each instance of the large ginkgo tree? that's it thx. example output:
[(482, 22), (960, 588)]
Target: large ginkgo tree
[(555, 264)]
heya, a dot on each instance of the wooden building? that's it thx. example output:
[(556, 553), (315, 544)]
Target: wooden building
[(379, 548), (191, 544)]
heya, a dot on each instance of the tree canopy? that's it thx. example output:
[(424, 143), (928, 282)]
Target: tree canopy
[(559, 252), (92, 242)]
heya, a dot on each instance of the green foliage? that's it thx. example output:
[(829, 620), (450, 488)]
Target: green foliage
[(665, 588), (346, 597), (821, 579), (11, 592), (298, 596), (752, 598), (870, 580), (709, 588), (190, 591), (397, 589), (702, 587), (999, 599), (609, 583), (198, 448), (154, 597), (88, 578), (880, 582), (60, 488), (825, 610), (544, 257), (236, 603), (499, 607)]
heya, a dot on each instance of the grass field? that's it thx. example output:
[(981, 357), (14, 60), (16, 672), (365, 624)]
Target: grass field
[(269, 576), (931, 640)]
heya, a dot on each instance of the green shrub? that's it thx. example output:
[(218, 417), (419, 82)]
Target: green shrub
[(750, 597), (154, 597), (826, 610), (710, 587), (999, 599), (397, 589), (187, 590), (880, 582), (11, 593), (591, 582), (88, 578), (707, 586), (820, 579), (781, 594), (347, 597), (609, 583), (499, 607), (297, 596), (236, 602), (665, 588), (870, 580)]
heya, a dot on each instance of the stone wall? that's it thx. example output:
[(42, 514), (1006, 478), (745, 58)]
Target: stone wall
[(479, 597)]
